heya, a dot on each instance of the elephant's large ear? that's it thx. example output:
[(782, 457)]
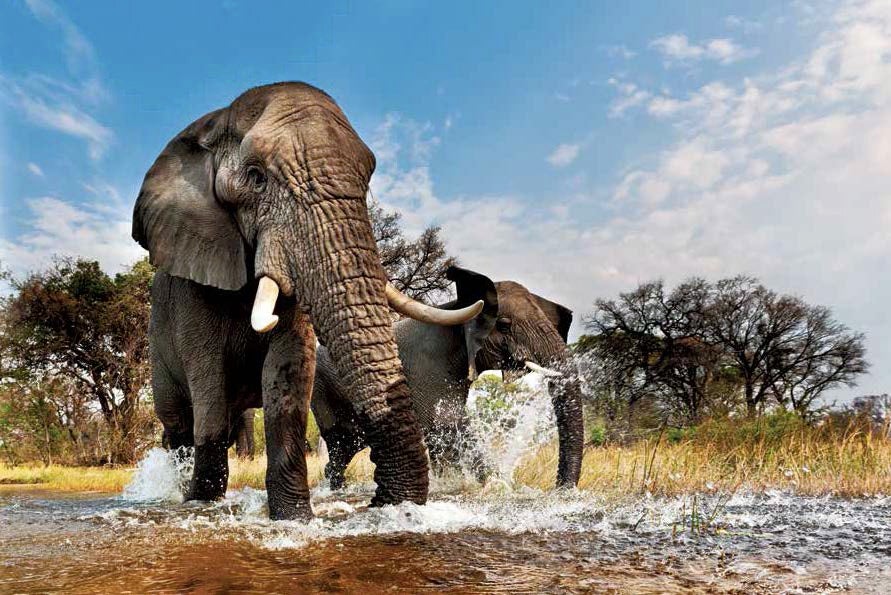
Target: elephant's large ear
[(178, 219), (560, 316), (471, 287)]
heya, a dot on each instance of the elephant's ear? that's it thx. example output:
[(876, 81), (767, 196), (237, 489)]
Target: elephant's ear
[(560, 316), (471, 287), (178, 219)]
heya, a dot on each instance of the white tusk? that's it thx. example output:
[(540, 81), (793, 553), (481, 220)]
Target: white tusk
[(262, 318), (415, 309), (547, 372)]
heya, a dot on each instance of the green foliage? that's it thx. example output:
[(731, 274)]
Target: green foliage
[(678, 435), (74, 368), (597, 435)]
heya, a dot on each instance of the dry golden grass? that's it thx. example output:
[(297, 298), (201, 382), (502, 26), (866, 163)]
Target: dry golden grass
[(719, 456), (725, 457), (68, 479)]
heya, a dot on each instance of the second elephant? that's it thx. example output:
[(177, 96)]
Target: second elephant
[(515, 326)]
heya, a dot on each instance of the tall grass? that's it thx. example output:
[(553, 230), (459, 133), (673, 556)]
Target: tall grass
[(718, 456), (773, 452)]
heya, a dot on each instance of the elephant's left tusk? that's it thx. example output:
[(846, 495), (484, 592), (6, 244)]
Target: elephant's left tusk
[(547, 372), (262, 318), (471, 371), (424, 313)]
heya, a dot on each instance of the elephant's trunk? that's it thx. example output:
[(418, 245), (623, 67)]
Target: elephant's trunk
[(338, 278), (566, 396)]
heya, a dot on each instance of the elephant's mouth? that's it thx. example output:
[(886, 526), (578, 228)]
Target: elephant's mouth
[(263, 320)]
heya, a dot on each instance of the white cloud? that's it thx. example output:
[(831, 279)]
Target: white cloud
[(58, 227), (676, 48), (35, 169), (564, 154), (629, 96)]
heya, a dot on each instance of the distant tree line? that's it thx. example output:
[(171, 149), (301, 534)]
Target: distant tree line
[(712, 349)]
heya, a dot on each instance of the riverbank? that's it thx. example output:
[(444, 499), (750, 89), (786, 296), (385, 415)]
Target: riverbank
[(723, 457)]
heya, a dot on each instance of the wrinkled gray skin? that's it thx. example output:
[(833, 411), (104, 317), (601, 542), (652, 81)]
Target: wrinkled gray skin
[(514, 326), (272, 185)]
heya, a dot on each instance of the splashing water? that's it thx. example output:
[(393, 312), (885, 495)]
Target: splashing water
[(161, 475), (505, 422)]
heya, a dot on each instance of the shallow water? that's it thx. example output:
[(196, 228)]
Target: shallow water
[(518, 542)]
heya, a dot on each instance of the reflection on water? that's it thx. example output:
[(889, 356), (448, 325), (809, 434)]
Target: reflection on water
[(527, 541)]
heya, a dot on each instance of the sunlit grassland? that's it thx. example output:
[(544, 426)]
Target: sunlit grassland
[(715, 457)]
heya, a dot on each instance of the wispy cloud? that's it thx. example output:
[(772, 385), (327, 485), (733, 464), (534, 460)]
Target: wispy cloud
[(745, 25), (630, 95), (677, 49), (564, 154), (619, 51), (63, 105), (35, 169)]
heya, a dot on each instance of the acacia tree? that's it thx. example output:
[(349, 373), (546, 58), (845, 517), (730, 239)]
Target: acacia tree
[(824, 353), (417, 268), (76, 323), (652, 343), (694, 347), (782, 346)]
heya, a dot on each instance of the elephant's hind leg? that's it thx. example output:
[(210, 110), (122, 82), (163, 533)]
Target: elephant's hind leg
[(287, 386), (343, 444)]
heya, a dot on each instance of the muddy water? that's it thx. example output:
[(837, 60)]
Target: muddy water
[(521, 542)]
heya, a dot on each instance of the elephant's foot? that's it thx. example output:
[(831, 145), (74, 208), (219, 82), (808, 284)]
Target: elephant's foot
[(290, 512), (211, 473), (401, 474), (286, 505)]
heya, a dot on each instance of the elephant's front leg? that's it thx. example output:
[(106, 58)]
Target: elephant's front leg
[(287, 386), (210, 474)]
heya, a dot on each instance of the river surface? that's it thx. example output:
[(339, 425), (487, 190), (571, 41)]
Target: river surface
[(517, 542)]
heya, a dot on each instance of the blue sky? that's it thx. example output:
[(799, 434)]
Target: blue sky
[(579, 148)]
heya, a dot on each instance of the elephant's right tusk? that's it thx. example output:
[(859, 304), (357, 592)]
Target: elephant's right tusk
[(546, 372), (424, 313), (262, 318)]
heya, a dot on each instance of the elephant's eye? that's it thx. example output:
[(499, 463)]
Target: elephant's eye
[(503, 324), (256, 178)]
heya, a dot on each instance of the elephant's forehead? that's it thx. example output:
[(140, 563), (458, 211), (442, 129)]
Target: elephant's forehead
[(512, 295), (270, 105)]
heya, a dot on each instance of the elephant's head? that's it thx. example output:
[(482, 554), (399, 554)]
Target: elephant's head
[(270, 191), (531, 332)]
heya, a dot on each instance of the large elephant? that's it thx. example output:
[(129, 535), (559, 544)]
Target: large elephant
[(515, 329), (261, 198)]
